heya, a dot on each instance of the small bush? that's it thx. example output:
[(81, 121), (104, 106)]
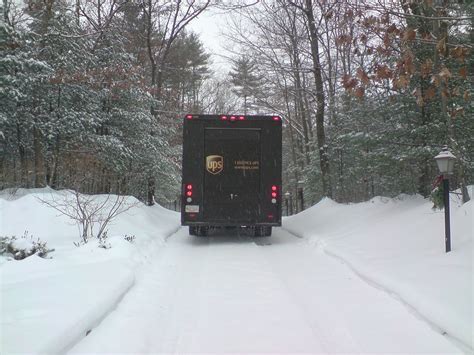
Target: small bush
[(91, 213), (103, 241), (23, 247), (79, 243), (129, 238)]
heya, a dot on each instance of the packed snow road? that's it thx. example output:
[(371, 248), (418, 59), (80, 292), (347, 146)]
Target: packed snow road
[(234, 293)]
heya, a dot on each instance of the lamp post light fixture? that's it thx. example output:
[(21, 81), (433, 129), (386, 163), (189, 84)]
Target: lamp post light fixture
[(445, 160)]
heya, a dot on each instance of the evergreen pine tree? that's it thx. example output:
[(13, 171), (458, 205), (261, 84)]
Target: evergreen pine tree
[(247, 82)]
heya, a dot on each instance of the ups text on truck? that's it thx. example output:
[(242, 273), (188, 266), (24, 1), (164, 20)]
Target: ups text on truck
[(231, 173)]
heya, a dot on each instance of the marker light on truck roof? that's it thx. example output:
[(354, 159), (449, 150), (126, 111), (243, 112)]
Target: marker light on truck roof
[(241, 118), (224, 117), (276, 118), (233, 118), (189, 117)]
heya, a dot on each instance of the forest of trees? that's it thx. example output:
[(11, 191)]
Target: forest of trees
[(93, 92)]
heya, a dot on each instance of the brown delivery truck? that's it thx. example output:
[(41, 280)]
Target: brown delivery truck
[(231, 175)]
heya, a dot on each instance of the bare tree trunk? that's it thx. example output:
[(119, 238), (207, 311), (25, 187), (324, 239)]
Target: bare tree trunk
[(303, 113), (3, 170), (40, 177), (464, 191), (292, 136), (306, 106), (5, 10), (22, 154), (52, 181), (299, 94), (149, 28), (78, 11), (298, 143), (320, 131)]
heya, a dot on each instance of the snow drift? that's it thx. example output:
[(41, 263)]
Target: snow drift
[(398, 245), (49, 304)]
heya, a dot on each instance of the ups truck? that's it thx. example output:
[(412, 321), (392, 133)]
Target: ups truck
[(231, 173)]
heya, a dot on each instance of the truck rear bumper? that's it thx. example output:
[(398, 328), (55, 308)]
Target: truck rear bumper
[(230, 223)]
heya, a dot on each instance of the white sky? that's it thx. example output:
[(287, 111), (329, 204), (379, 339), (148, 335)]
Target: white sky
[(209, 26)]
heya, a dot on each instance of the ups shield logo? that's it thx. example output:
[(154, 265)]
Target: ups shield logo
[(214, 164)]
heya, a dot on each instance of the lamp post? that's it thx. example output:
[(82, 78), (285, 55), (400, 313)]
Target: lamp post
[(445, 160)]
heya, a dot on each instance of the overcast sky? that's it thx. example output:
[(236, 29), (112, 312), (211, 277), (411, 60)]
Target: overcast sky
[(209, 26)]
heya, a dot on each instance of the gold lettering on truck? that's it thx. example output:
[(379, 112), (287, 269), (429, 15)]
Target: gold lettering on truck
[(214, 164), (246, 164)]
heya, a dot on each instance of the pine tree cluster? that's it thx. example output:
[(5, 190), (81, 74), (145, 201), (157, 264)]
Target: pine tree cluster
[(79, 108)]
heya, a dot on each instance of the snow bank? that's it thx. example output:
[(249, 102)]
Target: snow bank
[(398, 245), (48, 304)]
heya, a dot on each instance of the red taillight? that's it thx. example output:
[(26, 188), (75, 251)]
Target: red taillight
[(274, 193), (189, 190)]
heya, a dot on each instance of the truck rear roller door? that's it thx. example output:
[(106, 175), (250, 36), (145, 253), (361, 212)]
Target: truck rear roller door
[(232, 174)]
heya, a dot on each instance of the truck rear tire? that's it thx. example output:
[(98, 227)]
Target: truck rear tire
[(255, 231), (202, 231), (262, 231), (267, 231), (199, 231)]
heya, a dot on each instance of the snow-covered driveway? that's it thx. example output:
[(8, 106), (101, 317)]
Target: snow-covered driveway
[(239, 294)]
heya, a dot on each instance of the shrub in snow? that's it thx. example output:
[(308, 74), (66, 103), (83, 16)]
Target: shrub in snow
[(23, 247), (91, 213), (103, 243), (129, 238), (79, 243)]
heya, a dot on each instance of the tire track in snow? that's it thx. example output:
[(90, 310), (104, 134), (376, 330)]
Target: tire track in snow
[(154, 248), (322, 253), (229, 294), (207, 295), (358, 271)]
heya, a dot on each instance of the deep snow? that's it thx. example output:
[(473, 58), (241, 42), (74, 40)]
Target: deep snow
[(49, 304), (231, 295), (398, 245), (395, 246)]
